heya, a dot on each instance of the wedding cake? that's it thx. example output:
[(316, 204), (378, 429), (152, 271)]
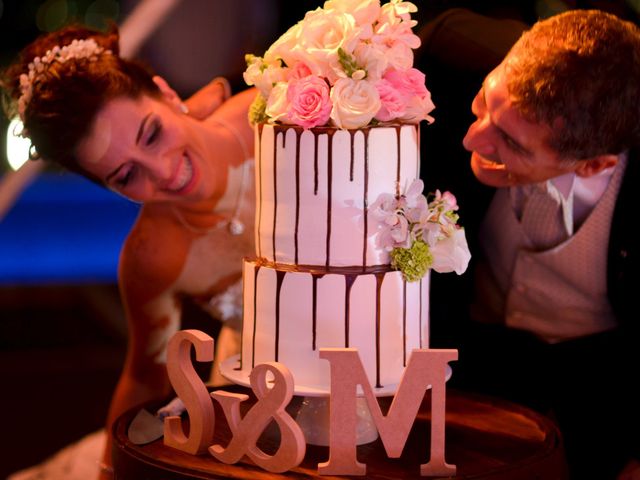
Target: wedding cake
[(344, 237)]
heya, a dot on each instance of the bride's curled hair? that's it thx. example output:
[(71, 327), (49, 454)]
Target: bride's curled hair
[(66, 96)]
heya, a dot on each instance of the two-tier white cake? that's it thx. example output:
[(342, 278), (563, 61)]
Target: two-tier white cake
[(344, 237), (320, 279)]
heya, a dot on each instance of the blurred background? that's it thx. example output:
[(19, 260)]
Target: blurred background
[(62, 330)]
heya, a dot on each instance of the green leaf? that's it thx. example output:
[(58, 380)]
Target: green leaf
[(347, 62)]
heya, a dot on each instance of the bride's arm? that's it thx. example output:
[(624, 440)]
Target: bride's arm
[(150, 263)]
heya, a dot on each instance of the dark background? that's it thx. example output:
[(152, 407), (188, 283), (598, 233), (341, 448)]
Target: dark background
[(62, 331)]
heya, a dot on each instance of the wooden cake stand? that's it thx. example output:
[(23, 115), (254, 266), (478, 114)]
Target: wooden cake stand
[(486, 438)]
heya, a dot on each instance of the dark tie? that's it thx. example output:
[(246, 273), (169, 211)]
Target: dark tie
[(544, 220)]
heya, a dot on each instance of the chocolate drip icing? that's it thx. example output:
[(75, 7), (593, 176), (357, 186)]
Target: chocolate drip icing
[(315, 163), (275, 188), (404, 322), (329, 192), (279, 278), (256, 268), (398, 130), (365, 199), (259, 242), (352, 133), (349, 281), (314, 313), (321, 269), (298, 134), (379, 279)]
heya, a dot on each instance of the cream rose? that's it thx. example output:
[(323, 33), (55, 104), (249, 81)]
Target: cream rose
[(363, 11), (355, 102), (277, 103), (264, 76), (321, 35), (281, 48)]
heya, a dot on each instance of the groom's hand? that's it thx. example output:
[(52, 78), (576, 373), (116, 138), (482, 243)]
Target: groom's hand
[(207, 100)]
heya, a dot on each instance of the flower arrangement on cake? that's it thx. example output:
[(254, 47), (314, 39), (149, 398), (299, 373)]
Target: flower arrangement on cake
[(421, 234), (349, 65)]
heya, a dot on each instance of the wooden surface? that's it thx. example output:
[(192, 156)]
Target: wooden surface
[(485, 438)]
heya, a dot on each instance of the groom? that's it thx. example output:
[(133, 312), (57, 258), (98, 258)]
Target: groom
[(551, 320)]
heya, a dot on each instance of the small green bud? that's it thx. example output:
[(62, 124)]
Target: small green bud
[(257, 110)]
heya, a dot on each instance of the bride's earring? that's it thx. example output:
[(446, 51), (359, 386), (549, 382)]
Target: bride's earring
[(183, 108)]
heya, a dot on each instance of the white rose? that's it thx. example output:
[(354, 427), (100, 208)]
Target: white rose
[(277, 104), (253, 71), (281, 48), (364, 11), (355, 102), (321, 35), (264, 77), (451, 254)]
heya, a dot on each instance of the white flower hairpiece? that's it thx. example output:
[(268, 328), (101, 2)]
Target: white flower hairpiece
[(84, 48)]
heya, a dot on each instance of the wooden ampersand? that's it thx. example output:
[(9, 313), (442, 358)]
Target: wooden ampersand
[(270, 405), (426, 368), (191, 390)]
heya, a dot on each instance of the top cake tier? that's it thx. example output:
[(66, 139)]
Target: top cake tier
[(314, 188)]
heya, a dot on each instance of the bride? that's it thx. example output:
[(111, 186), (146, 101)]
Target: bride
[(107, 118)]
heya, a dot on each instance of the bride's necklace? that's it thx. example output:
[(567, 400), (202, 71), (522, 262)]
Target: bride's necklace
[(234, 224)]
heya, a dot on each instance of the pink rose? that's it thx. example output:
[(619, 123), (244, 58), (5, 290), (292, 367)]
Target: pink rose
[(298, 71), (309, 102), (408, 82), (393, 102)]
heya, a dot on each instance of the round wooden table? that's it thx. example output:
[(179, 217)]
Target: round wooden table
[(486, 438)]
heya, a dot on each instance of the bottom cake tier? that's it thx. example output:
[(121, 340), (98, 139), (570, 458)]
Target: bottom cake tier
[(290, 313)]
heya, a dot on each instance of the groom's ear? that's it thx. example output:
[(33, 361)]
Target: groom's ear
[(594, 165), (168, 93)]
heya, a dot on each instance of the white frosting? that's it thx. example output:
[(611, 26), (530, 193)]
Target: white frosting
[(289, 336), (310, 225), (326, 194)]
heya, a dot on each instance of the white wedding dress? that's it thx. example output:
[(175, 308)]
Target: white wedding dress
[(81, 460), (78, 461)]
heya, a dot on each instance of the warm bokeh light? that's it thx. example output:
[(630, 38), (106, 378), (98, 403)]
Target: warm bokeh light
[(52, 15), (17, 146)]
